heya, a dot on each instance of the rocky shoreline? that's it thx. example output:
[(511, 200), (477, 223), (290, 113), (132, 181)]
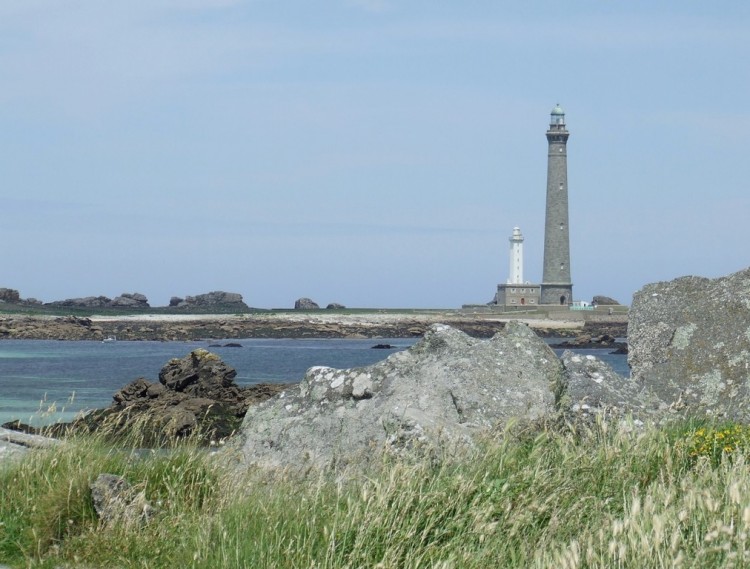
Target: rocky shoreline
[(160, 327)]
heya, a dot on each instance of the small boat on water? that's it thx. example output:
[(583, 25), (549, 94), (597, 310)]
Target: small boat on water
[(109, 339)]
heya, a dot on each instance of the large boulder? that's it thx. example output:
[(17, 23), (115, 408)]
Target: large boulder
[(126, 300), (444, 390), (589, 388), (690, 344), (305, 304)]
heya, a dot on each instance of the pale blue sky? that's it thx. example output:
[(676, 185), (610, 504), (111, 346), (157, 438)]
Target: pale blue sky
[(373, 153)]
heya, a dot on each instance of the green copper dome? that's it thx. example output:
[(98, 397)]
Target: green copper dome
[(557, 110)]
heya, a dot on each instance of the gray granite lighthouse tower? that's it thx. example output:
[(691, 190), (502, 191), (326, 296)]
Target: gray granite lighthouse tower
[(557, 287)]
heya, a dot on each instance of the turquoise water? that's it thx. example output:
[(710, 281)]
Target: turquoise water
[(44, 381)]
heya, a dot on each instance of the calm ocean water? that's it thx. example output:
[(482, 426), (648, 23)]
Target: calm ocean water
[(37, 376)]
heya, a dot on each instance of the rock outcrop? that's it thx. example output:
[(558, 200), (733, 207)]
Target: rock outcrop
[(604, 301), (60, 328), (196, 393), (305, 304), (9, 295), (125, 300), (210, 300), (689, 341), (587, 341), (335, 306), (442, 391), (85, 302)]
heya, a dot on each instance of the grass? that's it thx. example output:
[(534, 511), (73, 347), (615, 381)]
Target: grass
[(604, 498)]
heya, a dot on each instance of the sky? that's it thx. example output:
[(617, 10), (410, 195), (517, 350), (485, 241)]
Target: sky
[(372, 153)]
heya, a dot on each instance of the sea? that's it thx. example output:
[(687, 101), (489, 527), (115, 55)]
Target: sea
[(42, 382)]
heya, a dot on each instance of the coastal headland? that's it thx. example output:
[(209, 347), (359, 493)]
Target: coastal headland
[(299, 324)]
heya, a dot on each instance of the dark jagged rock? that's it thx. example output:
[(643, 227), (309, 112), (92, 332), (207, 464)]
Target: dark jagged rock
[(176, 301), (585, 341), (383, 347), (335, 306), (305, 304), (196, 394)]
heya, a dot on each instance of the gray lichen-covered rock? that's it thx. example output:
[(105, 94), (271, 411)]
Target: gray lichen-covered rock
[(443, 390), (116, 502), (589, 388), (690, 343)]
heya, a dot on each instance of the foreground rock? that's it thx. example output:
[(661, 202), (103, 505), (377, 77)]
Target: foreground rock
[(117, 503), (195, 395), (589, 388), (443, 391), (689, 341)]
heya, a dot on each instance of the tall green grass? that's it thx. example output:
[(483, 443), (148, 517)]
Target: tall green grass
[(605, 498)]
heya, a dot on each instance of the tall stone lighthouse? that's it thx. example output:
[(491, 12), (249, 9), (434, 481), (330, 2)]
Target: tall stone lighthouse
[(557, 287)]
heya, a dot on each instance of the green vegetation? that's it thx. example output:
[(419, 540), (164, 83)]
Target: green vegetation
[(605, 498)]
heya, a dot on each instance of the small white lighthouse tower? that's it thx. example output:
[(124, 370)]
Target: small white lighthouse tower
[(515, 276), (515, 292)]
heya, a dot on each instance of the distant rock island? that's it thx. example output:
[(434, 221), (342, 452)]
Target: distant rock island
[(217, 301)]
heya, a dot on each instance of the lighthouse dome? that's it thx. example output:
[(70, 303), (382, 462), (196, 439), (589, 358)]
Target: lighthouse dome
[(557, 110)]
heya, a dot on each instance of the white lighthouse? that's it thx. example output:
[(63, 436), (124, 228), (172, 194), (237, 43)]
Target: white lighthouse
[(516, 292), (515, 276)]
